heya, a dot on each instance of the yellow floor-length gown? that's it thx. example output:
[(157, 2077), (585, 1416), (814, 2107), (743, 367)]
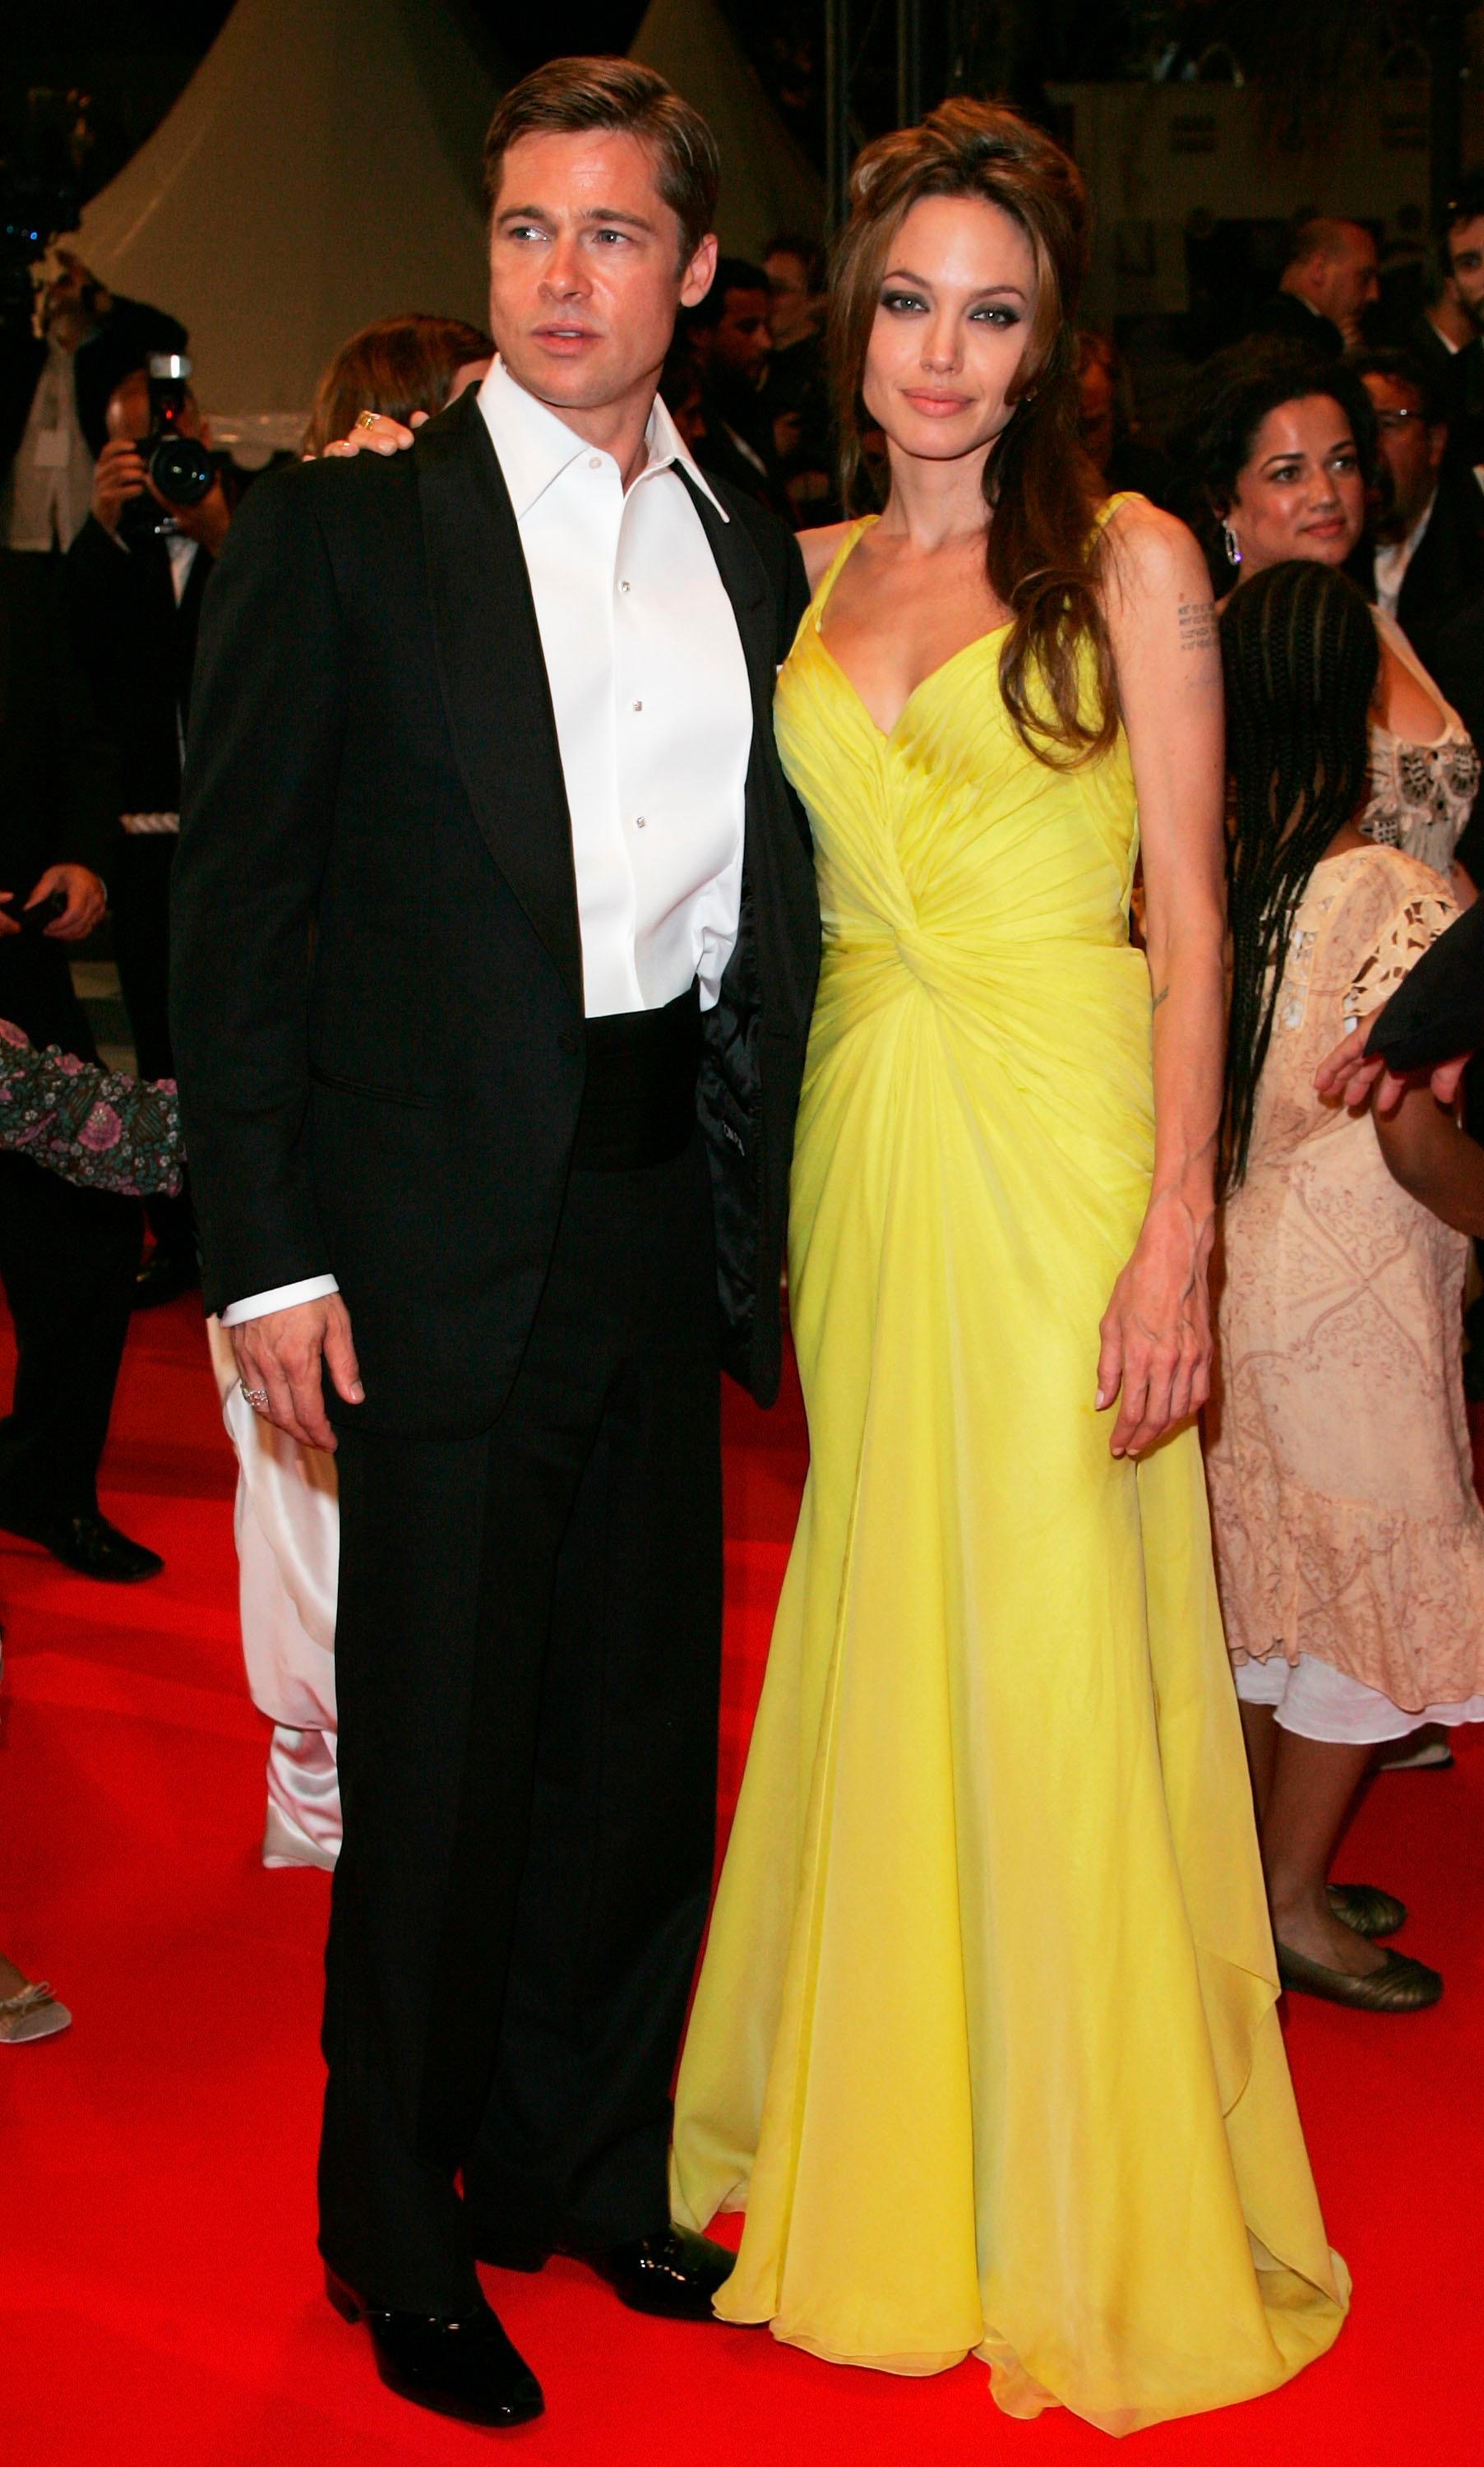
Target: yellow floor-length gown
[(986, 2041)]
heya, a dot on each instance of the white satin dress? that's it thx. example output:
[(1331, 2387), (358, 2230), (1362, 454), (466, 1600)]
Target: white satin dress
[(287, 1526)]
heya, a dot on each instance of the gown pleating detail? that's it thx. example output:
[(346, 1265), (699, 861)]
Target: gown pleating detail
[(985, 2040)]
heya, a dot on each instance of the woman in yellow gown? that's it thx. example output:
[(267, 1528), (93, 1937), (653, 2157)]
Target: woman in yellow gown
[(986, 2041)]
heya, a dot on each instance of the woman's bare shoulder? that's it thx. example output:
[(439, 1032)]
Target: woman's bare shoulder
[(1152, 553), (818, 548)]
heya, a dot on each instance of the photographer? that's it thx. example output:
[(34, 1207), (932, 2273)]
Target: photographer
[(54, 385), (67, 1256), (135, 575)]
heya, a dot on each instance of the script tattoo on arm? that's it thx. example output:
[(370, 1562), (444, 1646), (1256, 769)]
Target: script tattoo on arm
[(1197, 624)]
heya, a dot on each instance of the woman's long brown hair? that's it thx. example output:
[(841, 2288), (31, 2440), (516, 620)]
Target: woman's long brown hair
[(398, 365), (1044, 551)]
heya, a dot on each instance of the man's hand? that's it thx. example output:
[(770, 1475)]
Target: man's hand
[(1352, 1077), (281, 1353), (206, 523), (118, 476), (85, 896), (378, 433)]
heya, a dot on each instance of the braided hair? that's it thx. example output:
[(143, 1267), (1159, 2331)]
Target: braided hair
[(1300, 656)]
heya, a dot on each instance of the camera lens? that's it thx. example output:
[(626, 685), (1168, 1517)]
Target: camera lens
[(181, 470)]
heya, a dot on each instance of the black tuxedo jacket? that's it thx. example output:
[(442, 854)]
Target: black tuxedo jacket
[(57, 779), (1285, 318), (1437, 1011), (123, 343), (1447, 568), (137, 647), (376, 978), (1459, 377)]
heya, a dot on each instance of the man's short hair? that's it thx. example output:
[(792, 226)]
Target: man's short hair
[(1404, 368), (732, 274), (1314, 236), (1466, 205), (809, 253), (565, 98)]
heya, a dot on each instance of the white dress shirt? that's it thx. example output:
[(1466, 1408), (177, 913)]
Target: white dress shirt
[(653, 710), (45, 502)]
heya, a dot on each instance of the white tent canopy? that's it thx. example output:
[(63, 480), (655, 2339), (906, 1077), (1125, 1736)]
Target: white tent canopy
[(321, 170), (767, 184)]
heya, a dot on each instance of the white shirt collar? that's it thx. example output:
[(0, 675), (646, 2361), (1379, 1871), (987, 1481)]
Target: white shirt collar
[(535, 446)]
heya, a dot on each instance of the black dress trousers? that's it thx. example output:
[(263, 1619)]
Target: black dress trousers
[(67, 1262), (139, 891), (527, 1659)]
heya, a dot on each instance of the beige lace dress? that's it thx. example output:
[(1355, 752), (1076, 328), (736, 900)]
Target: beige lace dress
[(1349, 1543), (1420, 795)]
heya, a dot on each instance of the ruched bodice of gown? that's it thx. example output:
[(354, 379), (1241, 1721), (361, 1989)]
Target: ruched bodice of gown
[(985, 2040)]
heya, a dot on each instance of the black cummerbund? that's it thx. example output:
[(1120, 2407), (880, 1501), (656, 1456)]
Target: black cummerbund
[(638, 1105)]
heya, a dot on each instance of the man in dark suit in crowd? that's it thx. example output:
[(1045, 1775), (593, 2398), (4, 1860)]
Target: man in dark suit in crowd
[(1427, 560), (54, 396), (134, 596), (731, 343), (1448, 338), (1425, 566), (795, 393), (496, 940), (1331, 277), (67, 1256)]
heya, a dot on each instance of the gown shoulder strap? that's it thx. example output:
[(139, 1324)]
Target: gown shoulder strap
[(831, 574)]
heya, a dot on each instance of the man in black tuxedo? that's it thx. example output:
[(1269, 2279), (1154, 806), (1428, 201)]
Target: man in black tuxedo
[(495, 945), (54, 396), (1428, 559), (134, 595), (1331, 277), (67, 1256), (730, 343), (1448, 338)]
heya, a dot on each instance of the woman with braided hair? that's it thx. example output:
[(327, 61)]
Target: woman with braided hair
[(1349, 1543)]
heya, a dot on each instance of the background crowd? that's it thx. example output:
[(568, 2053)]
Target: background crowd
[(1332, 433)]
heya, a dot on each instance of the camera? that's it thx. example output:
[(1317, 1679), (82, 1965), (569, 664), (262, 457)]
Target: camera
[(177, 466)]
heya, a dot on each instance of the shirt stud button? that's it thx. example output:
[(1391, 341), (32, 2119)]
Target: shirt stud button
[(623, 586), (638, 821), (595, 462), (639, 705)]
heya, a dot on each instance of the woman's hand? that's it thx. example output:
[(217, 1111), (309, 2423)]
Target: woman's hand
[(374, 429), (1156, 1329)]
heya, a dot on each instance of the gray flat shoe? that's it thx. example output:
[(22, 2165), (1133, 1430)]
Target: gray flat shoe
[(1366, 1908), (1400, 1986), (33, 2013)]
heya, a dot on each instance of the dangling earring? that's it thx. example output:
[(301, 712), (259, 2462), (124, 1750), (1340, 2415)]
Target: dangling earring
[(1231, 545)]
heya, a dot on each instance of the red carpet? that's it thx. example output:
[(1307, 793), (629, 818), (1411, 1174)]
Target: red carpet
[(158, 2291)]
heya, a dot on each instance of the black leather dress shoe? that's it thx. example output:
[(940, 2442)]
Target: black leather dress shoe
[(465, 2368), (673, 2273), (164, 1276), (90, 1545)]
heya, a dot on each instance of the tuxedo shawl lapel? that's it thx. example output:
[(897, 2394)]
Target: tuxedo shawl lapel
[(746, 584), (493, 675)]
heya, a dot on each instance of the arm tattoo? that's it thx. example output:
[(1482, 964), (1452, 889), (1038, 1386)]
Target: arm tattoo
[(1197, 624), (1164, 995)]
